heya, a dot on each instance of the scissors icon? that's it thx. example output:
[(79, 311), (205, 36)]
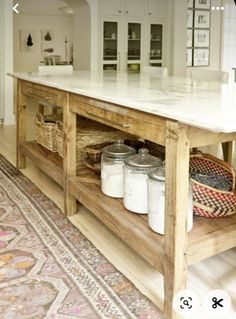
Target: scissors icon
[(217, 303), (186, 303)]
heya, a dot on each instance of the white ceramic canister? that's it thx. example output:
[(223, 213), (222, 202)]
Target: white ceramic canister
[(156, 201), (136, 174), (112, 168)]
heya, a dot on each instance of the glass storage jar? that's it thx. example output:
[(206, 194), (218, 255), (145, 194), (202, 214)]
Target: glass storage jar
[(112, 171), (135, 177), (156, 201)]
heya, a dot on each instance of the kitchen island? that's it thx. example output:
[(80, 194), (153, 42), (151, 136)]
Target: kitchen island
[(179, 113)]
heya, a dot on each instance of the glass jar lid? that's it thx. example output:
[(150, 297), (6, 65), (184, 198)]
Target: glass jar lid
[(143, 160), (158, 174), (118, 150)]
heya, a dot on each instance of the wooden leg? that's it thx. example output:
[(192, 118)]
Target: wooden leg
[(176, 207), (227, 148), (69, 156), (20, 127), (41, 108)]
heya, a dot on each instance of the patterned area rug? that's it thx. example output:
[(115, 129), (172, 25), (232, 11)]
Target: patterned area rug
[(48, 269)]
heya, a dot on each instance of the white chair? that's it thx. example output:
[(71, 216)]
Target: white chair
[(55, 69), (209, 75), (155, 70), (222, 77)]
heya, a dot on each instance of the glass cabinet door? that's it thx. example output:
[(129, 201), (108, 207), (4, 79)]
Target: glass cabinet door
[(110, 43), (155, 54), (133, 54)]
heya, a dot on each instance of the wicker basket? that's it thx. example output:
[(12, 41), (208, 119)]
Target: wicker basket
[(88, 132), (45, 127), (210, 201)]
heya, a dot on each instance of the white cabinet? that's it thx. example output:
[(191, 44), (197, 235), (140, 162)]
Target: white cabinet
[(155, 43), (111, 7), (133, 46), (157, 8), (134, 8), (129, 8), (129, 45), (109, 28), (122, 45), (132, 36), (111, 47)]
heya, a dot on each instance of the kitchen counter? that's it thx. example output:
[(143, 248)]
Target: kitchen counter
[(209, 105)]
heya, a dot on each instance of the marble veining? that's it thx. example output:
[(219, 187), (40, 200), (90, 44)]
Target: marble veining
[(208, 105)]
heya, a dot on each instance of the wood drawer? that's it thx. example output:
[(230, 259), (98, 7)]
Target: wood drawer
[(27, 88), (131, 121), (43, 93)]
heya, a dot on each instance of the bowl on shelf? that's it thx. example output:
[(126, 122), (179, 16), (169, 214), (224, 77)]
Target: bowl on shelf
[(134, 67)]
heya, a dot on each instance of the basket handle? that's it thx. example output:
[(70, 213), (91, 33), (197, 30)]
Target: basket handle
[(38, 119), (59, 126)]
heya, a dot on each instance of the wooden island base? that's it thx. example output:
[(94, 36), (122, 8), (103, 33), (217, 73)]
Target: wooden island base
[(169, 254)]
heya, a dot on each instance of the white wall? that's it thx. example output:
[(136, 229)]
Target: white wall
[(82, 45), (177, 37), (229, 38), (85, 34), (62, 27), (6, 61)]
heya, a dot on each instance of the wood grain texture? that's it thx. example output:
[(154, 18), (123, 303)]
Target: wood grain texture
[(44, 93), (200, 137), (131, 228), (69, 155), (20, 126), (176, 212), (211, 236), (41, 108), (131, 121), (50, 163)]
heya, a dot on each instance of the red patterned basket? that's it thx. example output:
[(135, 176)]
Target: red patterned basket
[(209, 201)]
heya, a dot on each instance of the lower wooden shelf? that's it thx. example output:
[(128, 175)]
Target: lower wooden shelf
[(52, 164), (49, 162), (207, 238), (211, 236), (131, 228)]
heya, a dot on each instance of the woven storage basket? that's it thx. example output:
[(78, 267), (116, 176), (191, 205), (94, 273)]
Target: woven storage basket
[(45, 128), (88, 132), (209, 201)]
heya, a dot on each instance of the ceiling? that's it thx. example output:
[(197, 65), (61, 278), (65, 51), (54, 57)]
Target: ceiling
[(45, 7)]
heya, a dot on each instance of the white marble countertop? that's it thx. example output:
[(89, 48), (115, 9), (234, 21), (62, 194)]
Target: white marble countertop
[(208, 105)]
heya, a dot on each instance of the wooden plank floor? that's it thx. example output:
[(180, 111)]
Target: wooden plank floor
[(218, 272)]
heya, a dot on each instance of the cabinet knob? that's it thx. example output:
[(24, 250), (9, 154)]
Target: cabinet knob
[(150, 13), (119, 11), (127, 12)]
